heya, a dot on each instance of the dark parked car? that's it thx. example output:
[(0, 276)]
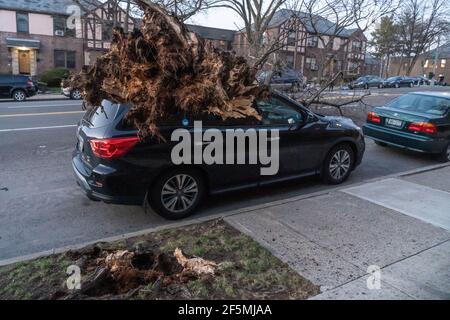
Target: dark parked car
[(416, 121), (111, 163), (283, 79), (18, 87), (397, 82), (366, 82), (419, 81)]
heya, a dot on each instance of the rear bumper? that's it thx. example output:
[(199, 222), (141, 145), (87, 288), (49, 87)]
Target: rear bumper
[(404, 140), (30, 91), (65, 92), (98, 184)]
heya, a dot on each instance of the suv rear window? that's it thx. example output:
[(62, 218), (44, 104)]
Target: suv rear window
[(102, 115)]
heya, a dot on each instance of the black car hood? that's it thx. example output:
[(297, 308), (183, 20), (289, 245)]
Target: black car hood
[(339, 119)]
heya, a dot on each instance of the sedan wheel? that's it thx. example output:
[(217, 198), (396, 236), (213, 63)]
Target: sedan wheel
[(19, 95), (75, 94), (397, 85), (177, 194), (445, 155), (338, 164)]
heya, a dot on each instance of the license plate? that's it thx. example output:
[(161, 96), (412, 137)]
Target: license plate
[(394, 123)]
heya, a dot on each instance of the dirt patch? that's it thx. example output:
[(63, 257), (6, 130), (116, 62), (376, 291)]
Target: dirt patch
[(145, 267)]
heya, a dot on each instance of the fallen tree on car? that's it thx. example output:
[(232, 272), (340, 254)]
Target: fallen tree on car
[(164, 70)]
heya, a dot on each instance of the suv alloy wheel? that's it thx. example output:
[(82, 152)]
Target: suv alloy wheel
[(176, 194), (338, 164), (19, 95)]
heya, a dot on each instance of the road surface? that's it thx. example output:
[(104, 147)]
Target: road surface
[(42, 208)]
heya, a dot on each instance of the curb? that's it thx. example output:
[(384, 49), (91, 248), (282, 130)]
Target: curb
[(62, 98), (173, 225)]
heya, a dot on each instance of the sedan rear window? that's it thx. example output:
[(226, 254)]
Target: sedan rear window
[(422, 103)]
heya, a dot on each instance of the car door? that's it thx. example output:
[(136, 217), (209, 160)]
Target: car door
[(297, 144)]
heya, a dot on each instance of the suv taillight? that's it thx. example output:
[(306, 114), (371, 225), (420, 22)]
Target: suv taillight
[(373, 117), (424, 127), (30, 83), (113, 147)]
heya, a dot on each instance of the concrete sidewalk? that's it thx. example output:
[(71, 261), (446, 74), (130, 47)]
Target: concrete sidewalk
[(400, 225)]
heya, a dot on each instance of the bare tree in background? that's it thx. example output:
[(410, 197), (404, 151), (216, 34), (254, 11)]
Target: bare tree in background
[(185, 9), (350, 19), (256, 17), (420, 24)]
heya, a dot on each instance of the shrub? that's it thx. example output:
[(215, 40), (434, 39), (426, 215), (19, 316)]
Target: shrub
[(54, 76)]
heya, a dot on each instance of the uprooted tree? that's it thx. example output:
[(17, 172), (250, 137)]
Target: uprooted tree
[(164, 70)]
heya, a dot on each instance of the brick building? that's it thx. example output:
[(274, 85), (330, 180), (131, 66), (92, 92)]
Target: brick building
[(35, 35), (372, 66), (434, 62), (305, 48), (220, 38)]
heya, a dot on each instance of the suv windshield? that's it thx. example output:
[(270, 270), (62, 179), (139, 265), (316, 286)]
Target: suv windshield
[(422, 104)]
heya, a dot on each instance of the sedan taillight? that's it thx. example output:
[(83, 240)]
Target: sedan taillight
[(373, 117), (424, 127), (113, 147)]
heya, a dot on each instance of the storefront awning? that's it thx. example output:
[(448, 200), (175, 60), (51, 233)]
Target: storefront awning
[(22, 43)]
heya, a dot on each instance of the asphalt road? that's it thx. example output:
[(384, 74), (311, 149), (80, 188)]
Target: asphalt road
[(42, 208)]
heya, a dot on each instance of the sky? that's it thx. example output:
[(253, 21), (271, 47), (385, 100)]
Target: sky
[(218, 18)]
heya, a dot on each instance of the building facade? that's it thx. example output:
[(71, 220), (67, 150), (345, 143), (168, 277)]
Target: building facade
[(372, 66), (434, 63), (316, 49), (38, 35)]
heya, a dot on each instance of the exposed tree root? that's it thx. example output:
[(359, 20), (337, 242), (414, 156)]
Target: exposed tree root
[(164, 70)]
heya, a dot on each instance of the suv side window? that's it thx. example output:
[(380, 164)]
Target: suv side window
[(278, 112)]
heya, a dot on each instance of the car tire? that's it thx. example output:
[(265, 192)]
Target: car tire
[(411, 85), (380, 86), (19, 95), (176, 194), (338, 164), (397, 86), (381, 144), (444, 156), (366, 86), (75, 94)]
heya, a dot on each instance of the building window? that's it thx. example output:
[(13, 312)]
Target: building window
[(443, 63), (291, 38), (311, 64), (60, 27), (357, 46), (312, 41), (22, 22), (65, 59), (290, 60), (107, 30), (353, 67)]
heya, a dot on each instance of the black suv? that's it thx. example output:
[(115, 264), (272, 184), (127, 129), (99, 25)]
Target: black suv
[(112, 164), (18, 87)]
